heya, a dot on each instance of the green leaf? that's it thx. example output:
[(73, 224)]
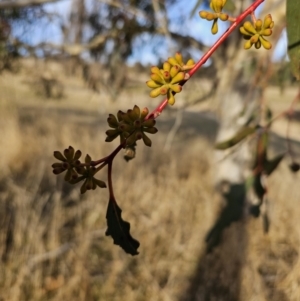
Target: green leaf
[(239, 136), (249, 183), (119, 229), (271, 165), (293, 34)]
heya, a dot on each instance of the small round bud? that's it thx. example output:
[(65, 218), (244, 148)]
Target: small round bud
[(176, 88), (163, 90), (171, 98), (147, 141), (248, 44), (249, 27), (167, 66), (154, 69), (174, 70), (214, 28), (69, 153), (166, 75), (266, 32), (149, 123), (258, 24), (58, 155), (223, 17), (155, 92), (257, 44), (178, 58), (203, 14), (58, 170), (178, 78), (144, 113), (254, 38), (266, 44), (268, 21), (157, 78), (172, 61), (190, 62), (210, 16)]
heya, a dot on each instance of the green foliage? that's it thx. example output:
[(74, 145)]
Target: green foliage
[(238, 137), (293, 34)]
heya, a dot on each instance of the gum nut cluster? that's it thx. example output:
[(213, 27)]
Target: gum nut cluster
[(217, 7), (166, 81), (255, 34), (131, 126), (77, 172)]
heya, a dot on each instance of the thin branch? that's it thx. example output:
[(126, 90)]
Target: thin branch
[(130, 9), (158, 110), (23, 3)]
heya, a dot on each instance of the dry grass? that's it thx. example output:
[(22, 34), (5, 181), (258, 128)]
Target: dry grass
[(52, 241)]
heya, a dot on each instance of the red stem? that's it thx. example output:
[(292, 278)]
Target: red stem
[(250, 10), (109, 181), (158, 110)]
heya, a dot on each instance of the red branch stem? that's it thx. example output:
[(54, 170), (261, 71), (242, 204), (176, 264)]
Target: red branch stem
[(159, 109), (250, 10)]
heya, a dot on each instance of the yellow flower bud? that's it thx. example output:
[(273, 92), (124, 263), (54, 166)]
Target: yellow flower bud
[(258, 24), (178, 57), (154, 69), (157, 78), (254, 38), (172, 61), (163, 90), (174, 70), (248, 44), (210, 16), (249, 27), (203, 14), (190, 62), (244, 32), (152, 84), (178, 78), (268, 21), (155, 92), (223, 17), (166, 66), (257, 44), (266, 32), (171, 98), (266, 44), (176, 88), (214, 28)]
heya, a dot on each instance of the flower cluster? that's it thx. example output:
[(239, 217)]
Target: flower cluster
[(254, 34), (77, 171), (217, 7), (131, 126), (166, 81)]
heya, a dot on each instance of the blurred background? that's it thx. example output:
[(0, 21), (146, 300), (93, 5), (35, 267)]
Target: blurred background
[(64, 66)]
